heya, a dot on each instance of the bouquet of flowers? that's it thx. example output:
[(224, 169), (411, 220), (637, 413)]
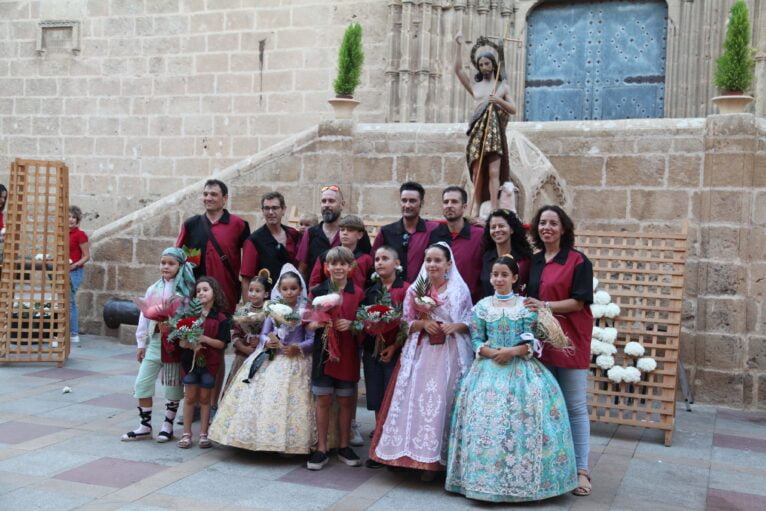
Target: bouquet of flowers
[(284, 317), (325, 309), (193, 255), (380, 318), (250, 320), (187, 325), (424, 303)]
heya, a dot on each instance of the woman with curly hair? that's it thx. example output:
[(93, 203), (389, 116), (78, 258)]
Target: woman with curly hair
[(504, 234)]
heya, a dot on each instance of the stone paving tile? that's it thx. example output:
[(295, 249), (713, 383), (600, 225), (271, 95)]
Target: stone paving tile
[(682, 486), (125, 401), (738, 481), (739, 457), (79, 393), (32, 406), (739, 427), (99, 444), (45, 462), (62, 373), (256, 465), (739, 442), (723, 500), (77, 413), (113, 472), (335, 475), (14, 432), (40, 500), (692, 444), (757, 418)]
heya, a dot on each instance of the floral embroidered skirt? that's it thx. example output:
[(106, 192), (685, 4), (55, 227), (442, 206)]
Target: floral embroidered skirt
[(274, 412), (511, 440)]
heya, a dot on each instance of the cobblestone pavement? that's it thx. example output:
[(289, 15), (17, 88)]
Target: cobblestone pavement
[(62, 451)]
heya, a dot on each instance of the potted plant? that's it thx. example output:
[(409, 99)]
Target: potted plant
[(350, 60), (734, 68)]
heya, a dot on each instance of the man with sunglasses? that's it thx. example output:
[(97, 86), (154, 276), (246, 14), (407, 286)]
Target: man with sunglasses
[(323, 236), (272, 245), (408, 235)]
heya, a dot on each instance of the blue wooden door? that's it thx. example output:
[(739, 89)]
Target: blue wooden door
[(595, 60)]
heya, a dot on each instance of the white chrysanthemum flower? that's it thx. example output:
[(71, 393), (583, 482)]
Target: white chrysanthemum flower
[(608, 335), (611, 310), (595, 283), (596, 347), (631, 375), (280, 309), (616, 374), (597, 310), (601, 298), (634, 349), (608, 349), (646, 364), (597, 333), (605, 361)]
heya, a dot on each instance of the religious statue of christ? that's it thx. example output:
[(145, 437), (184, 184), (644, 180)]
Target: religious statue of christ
[(487, 145)]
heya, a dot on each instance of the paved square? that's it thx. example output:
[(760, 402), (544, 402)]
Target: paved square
[(63, 451)]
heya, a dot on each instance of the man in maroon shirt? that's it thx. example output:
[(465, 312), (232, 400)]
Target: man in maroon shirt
[(272, 245), (229, 231), (410, 234), (466, 239)]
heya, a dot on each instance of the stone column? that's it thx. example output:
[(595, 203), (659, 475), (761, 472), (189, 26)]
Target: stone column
[(725, 328), (760, 83)]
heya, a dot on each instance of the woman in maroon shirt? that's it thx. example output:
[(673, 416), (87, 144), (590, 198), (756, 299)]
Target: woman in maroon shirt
[(561, 279)]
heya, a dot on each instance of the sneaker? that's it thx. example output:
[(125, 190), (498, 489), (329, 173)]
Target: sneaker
[(356, 438), (371, 463), (317, 460), (74, 339), (349, 457)]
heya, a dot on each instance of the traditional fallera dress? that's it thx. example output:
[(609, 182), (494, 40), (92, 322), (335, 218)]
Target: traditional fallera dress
[(414, 418), (510, 440), (275, 411), (247, 325)]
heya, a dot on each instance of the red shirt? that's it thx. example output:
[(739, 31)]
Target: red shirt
[(410, 246), (468, 249), (347, 368), (568, 275), (231, 232), (358, 274), (76, 238)]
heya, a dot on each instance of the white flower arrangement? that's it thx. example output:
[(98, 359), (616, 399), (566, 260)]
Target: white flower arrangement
[(605, 361), (634, 349), (601, 298), (595, 283), (598, 311), (597, 333), (326, 302), (631, 375), (646, 364), (616, 374), (596, 347), (426, 301), (608, 349), (611, 310), (608, 335), (280, 309)]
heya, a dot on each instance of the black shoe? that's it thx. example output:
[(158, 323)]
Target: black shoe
[(317, 460), (349, 457), (371, 463)]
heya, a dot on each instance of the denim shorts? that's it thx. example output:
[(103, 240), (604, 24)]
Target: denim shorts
[(201, 377), (327, 385)]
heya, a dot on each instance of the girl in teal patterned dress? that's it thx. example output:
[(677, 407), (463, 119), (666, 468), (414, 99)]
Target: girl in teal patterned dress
[(510, 439)]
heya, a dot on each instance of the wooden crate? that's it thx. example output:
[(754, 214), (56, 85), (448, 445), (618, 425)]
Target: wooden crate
[(34, 283), (644, 274)]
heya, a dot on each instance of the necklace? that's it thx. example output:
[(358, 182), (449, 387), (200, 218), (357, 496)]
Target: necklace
[(510, 295)]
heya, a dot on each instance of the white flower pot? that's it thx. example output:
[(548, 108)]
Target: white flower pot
[(732, 104), (344, 107)]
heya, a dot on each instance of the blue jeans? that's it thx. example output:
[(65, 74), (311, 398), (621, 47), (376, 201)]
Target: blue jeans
[(75, 279), (574, 386)]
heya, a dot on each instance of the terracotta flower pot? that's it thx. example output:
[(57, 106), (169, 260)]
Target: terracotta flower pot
[(732, 103), (343, 107)]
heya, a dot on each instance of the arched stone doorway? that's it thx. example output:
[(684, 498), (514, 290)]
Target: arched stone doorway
[(597, 59)]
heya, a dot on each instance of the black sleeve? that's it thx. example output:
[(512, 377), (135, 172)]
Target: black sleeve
[(224, 331), (245, 234), (582, 281)]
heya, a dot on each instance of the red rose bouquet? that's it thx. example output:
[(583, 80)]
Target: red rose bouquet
[(186, 325), (424, 303), (379, 319)]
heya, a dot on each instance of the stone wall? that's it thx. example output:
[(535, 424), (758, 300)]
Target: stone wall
[(708, 175), (164, 92)]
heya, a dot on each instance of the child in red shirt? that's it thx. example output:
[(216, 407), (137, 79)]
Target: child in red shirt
[(339, 376), (79, 254), (350, 231)]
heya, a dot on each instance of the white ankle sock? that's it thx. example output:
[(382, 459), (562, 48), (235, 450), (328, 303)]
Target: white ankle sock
[(141, 428), (170, 414)]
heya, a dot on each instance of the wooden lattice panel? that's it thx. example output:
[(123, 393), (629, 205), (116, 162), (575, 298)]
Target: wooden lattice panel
[(34, 283), (644, 274)]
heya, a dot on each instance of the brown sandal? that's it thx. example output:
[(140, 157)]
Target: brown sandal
[(583, 487)]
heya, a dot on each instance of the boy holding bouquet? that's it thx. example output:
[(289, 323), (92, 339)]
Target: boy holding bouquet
[(336, 354)]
